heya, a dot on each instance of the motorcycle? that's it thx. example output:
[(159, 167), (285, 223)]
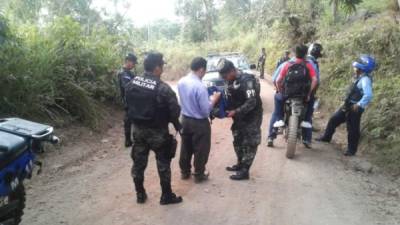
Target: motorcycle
[(20, 141), (292, 124)]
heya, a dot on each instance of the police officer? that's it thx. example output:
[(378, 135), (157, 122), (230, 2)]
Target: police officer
[(261, 63), (124, 76), (314, 53), (152, 105), (358, 97), (245, 107)]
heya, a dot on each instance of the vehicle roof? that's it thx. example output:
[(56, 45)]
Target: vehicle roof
[(225, 54)]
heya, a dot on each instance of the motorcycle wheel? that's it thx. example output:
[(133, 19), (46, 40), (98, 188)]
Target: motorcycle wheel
[(292, 136), (17, 195)]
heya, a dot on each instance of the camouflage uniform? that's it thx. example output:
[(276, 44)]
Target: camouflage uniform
[(154, 135), (244, 97), (124, 76)]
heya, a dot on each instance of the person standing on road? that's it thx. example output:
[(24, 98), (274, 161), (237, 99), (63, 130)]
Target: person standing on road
[(314, 53), (261, 63), (124, 76), (358, 97), (245, 107), (196, 129), (152, 105)]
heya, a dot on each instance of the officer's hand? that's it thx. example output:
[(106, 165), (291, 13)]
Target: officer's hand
[(355, 108), (216, 96), (231, 113)]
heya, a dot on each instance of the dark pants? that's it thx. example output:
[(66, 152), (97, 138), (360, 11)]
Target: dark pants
[(127, 127), (307, 132), (353, 120), (246, 138), (156, 140), (262, 70), (276, 115), (196, 141)]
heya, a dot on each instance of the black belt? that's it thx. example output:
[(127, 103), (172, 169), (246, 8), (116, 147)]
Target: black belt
[(192, 118)]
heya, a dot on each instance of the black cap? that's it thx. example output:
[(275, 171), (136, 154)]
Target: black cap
[(152, 60), (224, 66), (131, 57)]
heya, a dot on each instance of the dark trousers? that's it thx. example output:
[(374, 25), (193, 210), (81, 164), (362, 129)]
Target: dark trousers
[(196, 141), (353, 120), (147, 139), (262, 70), (276, 115), (127, 127), (307, 132)]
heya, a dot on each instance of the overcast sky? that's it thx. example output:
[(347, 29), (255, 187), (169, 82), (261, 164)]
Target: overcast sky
[(141, 12)]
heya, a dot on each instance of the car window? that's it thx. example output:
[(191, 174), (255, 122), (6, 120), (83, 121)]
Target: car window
[(239, 61)]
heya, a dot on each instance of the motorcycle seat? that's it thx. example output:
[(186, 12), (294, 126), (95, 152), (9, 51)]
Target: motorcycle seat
[(11, 144)]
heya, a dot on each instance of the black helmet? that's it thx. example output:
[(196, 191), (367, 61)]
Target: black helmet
[(131, 57), (225, 66), (315, 50)]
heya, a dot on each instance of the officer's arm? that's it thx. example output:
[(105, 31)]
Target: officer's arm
[(366, 86), (314, 79), (276, 74), (173, 105), (281, 76), (251, 101)]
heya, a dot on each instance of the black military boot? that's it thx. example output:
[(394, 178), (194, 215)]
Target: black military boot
[(199, 178), (185, 175), (322, 139), (170, 198), (242, 174), (234, 168), (270, 142), (141, 197)]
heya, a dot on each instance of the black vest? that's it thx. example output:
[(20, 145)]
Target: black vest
[(237, 92), (354, 94), (141, 96)]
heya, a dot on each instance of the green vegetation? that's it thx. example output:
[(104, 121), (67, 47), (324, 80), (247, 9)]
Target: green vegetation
[(59, 58)]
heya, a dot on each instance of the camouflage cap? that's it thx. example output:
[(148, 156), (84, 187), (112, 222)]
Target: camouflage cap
[(224, 66)]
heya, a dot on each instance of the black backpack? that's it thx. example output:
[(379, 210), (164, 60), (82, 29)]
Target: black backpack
[(297, 81)]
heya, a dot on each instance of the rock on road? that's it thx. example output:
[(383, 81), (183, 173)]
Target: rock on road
[(315, 188)]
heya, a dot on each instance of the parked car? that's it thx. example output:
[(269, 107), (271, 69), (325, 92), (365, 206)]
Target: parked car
[(212, 77)]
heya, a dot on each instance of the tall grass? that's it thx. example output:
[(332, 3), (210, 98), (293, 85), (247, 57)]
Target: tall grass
[(57, 73)]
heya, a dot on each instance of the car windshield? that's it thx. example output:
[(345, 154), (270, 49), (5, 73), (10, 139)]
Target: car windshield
[(239, 61)]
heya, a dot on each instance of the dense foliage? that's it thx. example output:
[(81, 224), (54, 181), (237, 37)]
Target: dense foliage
[(59, 58)]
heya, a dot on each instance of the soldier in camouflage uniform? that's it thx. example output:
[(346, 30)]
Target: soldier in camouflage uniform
[(152, 105), (245, 107), (124, 76)]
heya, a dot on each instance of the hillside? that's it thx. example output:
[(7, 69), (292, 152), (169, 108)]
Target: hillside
[(60, 67)]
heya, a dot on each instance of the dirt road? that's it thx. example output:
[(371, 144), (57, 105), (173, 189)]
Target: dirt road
[(318, 187)]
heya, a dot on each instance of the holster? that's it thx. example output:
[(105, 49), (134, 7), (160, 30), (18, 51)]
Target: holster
[(172, 146)]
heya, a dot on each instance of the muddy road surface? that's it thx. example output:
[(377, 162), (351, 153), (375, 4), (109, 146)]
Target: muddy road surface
[(88, 183)]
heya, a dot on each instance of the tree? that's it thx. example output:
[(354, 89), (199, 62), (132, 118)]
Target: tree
[(199, 18), (348, 6)]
